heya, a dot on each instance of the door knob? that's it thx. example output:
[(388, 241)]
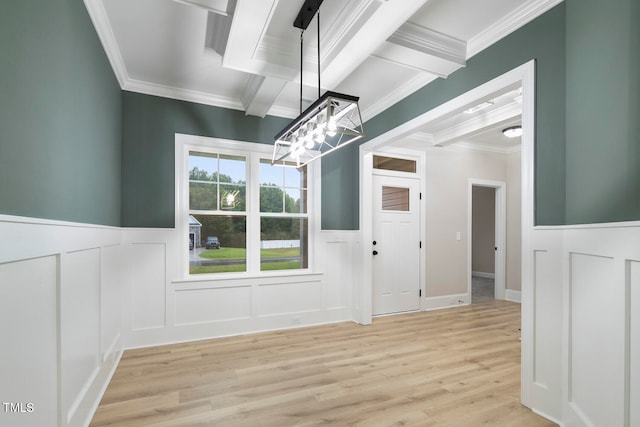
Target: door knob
[(375, 252)]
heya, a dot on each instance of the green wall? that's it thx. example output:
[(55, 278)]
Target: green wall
[(60, 115), (603, 111), (148, 149), (74, 147), (149, 125), (587, 157), (542, 40)]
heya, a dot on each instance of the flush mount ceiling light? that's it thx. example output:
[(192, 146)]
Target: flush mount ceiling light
[(331, 122), (512, 132)]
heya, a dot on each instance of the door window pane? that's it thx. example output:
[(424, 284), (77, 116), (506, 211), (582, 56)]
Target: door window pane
[(394, 164), (395, 199)]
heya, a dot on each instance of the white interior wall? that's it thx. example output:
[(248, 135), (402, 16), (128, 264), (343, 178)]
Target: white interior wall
[(163, 306), (60, 319), (62, 287), (447, 175)]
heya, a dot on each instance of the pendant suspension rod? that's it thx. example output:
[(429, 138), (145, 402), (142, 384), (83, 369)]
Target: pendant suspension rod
[(301, 43)]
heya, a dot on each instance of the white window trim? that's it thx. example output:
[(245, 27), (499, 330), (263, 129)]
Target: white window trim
[(253, 153)]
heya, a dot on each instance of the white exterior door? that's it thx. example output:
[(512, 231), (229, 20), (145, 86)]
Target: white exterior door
[(396, 244)]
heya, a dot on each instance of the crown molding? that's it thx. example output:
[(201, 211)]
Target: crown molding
[(509, 24), (430, 42), (182, 94), (101, 23)]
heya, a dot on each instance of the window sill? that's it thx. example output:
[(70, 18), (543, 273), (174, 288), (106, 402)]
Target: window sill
[(247, 277)]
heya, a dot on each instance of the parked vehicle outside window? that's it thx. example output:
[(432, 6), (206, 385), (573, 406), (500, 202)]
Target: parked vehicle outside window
[(212, 243)]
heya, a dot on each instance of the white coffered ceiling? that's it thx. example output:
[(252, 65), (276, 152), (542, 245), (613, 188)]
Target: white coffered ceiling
[(245, 54)]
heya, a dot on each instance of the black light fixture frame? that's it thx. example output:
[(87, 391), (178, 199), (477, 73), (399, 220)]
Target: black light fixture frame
[(328, 103), (306, 14)]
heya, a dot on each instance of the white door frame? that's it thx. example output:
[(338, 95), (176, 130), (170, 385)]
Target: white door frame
[(500, 234), (363, 297), (524, 75)]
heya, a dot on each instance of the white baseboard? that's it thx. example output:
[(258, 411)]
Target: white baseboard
[(96, 391), (511, 295), (481, 274), (445, 301), (548, 417)]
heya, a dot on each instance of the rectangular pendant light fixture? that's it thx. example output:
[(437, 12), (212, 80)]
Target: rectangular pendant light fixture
[(331, 122)]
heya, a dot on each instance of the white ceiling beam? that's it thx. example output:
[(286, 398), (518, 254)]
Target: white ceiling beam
[(360, 33), (260, 94), (419, 48), (217, 34), (430, 42), (250, 22)]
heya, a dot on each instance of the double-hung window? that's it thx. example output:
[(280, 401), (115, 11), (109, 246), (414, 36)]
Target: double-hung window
[(242, 213), (283, 216)]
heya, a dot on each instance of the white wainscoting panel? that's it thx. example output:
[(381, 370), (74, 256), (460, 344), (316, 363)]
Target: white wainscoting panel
[(111, 267), (79, 326), (337, 261), (287, 298), (165, 305), (600, 331), (596, 340), (214, 304), (148, 285), (60, 299), (542, 273), (29, 350), (633, 337), (544, 292)]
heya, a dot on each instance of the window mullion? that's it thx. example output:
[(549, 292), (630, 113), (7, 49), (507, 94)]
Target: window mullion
[(253, 219)]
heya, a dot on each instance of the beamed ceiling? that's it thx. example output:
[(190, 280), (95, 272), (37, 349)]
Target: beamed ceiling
[(245, 54)]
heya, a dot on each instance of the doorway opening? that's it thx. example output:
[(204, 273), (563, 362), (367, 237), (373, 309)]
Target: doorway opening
[(407, 137), (486, 268)]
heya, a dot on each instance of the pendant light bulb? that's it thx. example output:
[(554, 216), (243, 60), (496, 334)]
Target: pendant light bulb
[(310, 143), (331, 126)]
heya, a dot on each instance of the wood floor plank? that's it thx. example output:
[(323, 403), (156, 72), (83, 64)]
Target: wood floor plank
[(455, 367)]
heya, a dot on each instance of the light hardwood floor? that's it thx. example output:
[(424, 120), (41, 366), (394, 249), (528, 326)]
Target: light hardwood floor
[(454, 367)]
